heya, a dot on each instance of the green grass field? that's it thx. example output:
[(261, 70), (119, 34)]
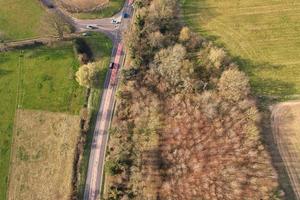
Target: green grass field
[(42, 78), (20, 19), (35, 78), (262, 35), (113, 8)]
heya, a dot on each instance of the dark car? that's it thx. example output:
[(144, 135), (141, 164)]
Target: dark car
[(111, 65), (125, 15)]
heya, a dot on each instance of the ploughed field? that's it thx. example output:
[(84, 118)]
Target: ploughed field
[(263, 35), (286, 131)]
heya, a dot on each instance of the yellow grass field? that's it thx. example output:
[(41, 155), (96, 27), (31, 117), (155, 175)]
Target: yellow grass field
[(263, 36), (286, 131), (42, 155)]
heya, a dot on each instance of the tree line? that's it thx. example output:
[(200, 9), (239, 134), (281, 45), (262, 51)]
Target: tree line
[(186, 125)]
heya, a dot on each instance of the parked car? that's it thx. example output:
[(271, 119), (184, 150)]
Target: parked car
[(116, 20), (86, 34)]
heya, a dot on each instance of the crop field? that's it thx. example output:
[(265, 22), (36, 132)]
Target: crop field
[(40, 78), (43, 152), (262, 35), (20, 19), (113, 7), (84, 4), (286, 131)]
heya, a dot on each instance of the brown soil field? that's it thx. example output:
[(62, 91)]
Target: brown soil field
[(82, 5), (286, 132), (43, 150)]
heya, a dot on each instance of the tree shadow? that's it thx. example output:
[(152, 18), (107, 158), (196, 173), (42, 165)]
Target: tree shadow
[(277, 161), (205, 11), (271, 89)]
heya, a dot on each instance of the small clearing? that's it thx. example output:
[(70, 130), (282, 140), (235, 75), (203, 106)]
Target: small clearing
[(42, 155)]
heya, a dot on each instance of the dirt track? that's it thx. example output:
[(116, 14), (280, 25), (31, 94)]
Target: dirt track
[(286, 131)]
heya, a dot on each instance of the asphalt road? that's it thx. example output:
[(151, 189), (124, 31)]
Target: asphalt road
[(104, 116), (100, 136)]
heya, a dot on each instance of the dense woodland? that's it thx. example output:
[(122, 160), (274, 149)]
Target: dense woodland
[(185, 124)]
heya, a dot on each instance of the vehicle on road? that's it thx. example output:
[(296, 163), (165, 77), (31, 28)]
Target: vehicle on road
[(85, 34), (116, 65), (111, 65), (125, 15), (91, 27), (116, 20), (48, 3)]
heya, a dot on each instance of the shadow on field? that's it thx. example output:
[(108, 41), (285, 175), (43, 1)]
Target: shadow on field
[(4, 72), (271, 88), (203, 11), (268, 92), (277, 161)]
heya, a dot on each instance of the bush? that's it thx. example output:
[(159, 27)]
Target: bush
[(233, 85)]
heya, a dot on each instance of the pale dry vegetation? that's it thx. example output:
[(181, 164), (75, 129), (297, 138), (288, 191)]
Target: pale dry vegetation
[(43, 153), (82, 5)]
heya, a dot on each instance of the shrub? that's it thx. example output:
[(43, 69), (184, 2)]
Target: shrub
[(233, 85)]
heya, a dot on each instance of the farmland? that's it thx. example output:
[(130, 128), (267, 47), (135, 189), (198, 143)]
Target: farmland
[(286, 128), (109, 10), (262, 35), (42, 78), (20, 19), (35, 78), (43, 151)]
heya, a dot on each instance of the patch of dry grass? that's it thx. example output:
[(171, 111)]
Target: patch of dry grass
[(84, 4), (42, 158)]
